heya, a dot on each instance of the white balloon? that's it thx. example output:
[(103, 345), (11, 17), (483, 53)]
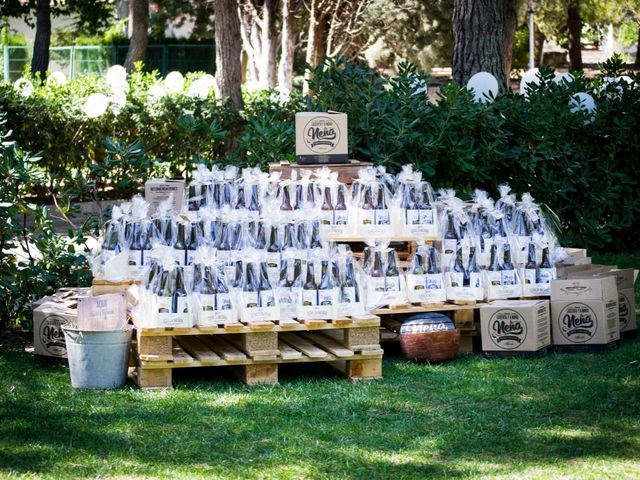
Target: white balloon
[(583, 102), (95, 105), (530, 78), (156, 91), (563, 78), (57, 78), (118, 100), (116, 76), (174, 82), (198, 89), (484, 87), (208, 79), (24, 87)]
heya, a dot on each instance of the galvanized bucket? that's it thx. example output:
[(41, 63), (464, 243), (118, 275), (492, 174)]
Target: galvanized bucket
[(98, 359)]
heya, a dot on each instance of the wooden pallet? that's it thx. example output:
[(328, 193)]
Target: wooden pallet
[(352, 346)]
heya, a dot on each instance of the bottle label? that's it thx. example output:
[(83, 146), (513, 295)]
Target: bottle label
[(545, 275), (416, 282), (207, 302), (366, 217), (284, 296), (267, 298), (378, 284), (530, 276), (250, 299), (426, 216), (495, 278), (164, 304), (456, 279), (273, 260), (135, 258), (309, 298), (508, 277), (341, 217), (392, 284), (412, 217), (382, 217), (326, 298), (434, 281), (348, 295), (182, 305), (449, 246), (475, 280), (326, 217), (223, 301)]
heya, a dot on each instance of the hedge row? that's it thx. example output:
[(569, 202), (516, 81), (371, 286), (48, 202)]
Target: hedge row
[(584, 168)]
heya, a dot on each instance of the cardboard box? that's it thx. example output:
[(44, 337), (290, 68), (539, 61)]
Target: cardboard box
[(571, 260), (515, 326), (321, 137), (625, 280), (48, 319), (584, 312), (158, 190)]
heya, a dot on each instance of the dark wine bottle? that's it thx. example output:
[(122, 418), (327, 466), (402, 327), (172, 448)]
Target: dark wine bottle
[(309, 288), (508, 271), (531, 267), (377, 273), (285, 205), (266, 295), (545, 272), (250, 291), (180, 246), (458, 272), (341, 214), (381, 212), (494, 269), (326, 209), (326, 286)]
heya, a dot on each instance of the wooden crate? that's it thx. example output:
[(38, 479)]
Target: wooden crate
[(347, 172), (254, 351)]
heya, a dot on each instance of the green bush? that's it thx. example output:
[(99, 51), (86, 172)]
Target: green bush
[(583, 171), (34, 259)]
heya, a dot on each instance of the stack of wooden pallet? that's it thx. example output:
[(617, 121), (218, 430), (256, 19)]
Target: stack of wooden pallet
[(255, 350)]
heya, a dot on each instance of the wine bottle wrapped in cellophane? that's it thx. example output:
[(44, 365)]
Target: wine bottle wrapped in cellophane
[(424, 277), (385, 284), (413, 211), (335, 210), (501, 277)]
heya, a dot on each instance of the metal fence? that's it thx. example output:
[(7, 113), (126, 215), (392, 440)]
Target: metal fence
[(78, 60)]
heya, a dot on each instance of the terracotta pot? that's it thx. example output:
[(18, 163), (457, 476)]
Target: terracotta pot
[(429, 337)]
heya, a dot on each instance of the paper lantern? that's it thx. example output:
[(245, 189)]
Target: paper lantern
[(174, 82), (529, 79), (24, 87), (484, 86), (116, 76), (95, 105), (583, 102), (563, 78), (56, 78)]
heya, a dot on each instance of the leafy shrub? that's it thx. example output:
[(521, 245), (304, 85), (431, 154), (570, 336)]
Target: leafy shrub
[(583, 170), (34, 259)]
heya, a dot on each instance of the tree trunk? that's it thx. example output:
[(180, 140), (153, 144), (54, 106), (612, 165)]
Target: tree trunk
[(228, 41), (479, 40), (316, 41), (538, 44), (510, 12), (269, 44), (285, 69), (638, 50), (40, 60), (139, 18), (574, 31)]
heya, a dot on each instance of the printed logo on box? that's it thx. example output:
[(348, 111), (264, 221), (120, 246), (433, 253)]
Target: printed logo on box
[(507, 329), (578, 323), (52, 336), (321, 134), (624, 310), (576, 289)]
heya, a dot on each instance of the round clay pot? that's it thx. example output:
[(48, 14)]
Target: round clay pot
[(429, 337)]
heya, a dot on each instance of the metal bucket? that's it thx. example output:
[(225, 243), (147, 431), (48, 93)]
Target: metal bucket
[(98, 359)]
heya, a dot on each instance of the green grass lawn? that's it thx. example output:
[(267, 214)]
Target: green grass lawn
[(568, 416)]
